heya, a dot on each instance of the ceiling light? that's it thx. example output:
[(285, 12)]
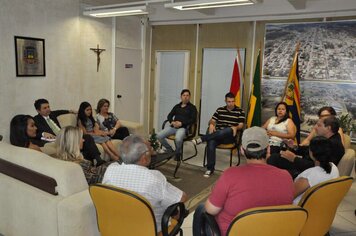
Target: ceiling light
[(202, 4), (116, 11)]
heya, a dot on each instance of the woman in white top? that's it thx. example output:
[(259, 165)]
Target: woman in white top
[(279, 127), (319, 151)]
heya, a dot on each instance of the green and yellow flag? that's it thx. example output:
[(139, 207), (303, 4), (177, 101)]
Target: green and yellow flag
[(254, 107)]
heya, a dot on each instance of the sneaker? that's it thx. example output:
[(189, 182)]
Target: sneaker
[(197, 141), (208, 173)]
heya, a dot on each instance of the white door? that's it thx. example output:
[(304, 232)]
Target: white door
[(128, 64), (172, 72)]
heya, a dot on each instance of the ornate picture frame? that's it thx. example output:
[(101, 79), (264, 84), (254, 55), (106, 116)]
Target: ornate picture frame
[(30, 56)]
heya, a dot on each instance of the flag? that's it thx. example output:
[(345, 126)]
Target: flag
[(254, 106), (235, 86), (292, 94)]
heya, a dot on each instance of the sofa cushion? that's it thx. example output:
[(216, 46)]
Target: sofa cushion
[(69, 176)]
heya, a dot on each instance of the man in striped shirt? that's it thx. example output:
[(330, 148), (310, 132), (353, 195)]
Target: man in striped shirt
[(223, 127)]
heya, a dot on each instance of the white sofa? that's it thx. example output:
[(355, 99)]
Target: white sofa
[(71, 120), (27, 210)]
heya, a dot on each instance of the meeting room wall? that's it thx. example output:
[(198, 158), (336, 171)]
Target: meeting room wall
[(219, 35), (71, 75)]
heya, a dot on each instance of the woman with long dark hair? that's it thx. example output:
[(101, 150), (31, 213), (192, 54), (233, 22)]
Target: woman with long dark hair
[(22, 130), (324, 169), (89, 126), (279, 127)]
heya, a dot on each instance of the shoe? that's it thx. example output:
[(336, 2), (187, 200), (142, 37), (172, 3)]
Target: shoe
[(197, 141), (208, 173)]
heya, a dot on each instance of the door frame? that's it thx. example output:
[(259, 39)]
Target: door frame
[(157, 78)]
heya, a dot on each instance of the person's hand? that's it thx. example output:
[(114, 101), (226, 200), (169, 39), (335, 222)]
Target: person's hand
[(289, 142), (271, 133), (112, 132), (234, 130), (176, 124), (290, 156), (73, 111), (305, 143), (211, 128), (48, 135)]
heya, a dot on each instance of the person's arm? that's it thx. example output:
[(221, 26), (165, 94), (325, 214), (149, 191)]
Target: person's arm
[(212, 124), (300, 186), (80, 125), (306, 141), (57, 113), (97, 130), (211, 208), (341, 132), (184, 197), (265, 125), (172, 113), (291, 131), (241, 122)]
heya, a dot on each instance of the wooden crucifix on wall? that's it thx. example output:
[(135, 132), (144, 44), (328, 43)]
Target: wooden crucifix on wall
[(97, 50)]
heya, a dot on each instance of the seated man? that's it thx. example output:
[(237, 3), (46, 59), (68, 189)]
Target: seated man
[(223, 127), (298, 161), (134, 175), (255, 184), (180, 118), (48, 127)]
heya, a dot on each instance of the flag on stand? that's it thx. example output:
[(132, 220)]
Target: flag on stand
[(236, 80), (254, 106), (292, 94)]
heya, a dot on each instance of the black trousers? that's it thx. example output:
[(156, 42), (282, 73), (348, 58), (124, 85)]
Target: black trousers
[(121, 133), (90, 150)]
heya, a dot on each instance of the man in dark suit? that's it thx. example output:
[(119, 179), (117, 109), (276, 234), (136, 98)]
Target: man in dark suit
[(48, 127)]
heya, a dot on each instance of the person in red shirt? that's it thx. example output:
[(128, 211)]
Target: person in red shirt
[(255, 184)]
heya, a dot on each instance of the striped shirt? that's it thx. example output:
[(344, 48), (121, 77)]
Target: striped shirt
[(225, 118)]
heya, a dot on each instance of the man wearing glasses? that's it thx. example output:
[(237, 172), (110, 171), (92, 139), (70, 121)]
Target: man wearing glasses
[(134, 175), (296, 161)]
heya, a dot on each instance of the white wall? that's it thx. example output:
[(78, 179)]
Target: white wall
[(71, 75)]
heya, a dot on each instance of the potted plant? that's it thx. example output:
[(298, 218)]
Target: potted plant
[(346, 123)]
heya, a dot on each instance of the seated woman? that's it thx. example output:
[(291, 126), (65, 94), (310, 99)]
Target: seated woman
[(22, 131), (319, 151), (323, 113), (109, 122), (279, 127), (88, 125), (68, 144)]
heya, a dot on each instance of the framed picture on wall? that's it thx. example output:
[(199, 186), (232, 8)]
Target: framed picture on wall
[(30, 56)]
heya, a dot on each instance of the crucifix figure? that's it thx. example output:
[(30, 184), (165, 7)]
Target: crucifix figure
[(97, 50)]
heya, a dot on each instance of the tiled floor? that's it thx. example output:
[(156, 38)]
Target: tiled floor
[(345, 220)]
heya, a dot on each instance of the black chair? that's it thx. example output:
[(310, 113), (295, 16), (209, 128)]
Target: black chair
[(230, 146), (192, 130)]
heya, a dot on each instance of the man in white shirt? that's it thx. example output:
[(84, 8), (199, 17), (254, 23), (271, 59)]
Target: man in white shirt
[(134, 175)]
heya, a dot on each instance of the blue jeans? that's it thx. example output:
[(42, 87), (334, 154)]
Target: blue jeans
[(221, 136), (180, 134), (197, 221)]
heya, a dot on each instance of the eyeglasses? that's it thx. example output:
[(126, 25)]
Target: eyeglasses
[(326, 115)]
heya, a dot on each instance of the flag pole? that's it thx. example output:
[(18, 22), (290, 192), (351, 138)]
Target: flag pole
[(290, 71), (242, 80)]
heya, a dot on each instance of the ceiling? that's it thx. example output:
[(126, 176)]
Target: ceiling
[(263, 10)]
